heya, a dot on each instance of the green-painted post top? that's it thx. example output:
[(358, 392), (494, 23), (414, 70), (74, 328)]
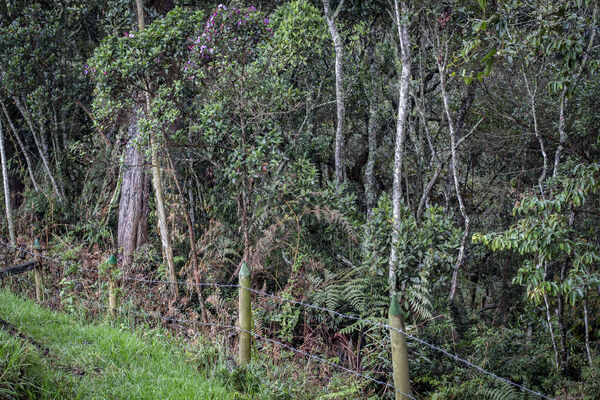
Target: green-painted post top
[(244, 271), (395, 307), (112, 260), (36, 244)]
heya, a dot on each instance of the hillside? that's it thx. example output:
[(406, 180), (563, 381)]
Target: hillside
[(48, 355)]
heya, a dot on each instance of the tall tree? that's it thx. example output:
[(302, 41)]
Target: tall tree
[(165, 236), (7, 199), (401, 21), (332, 17)]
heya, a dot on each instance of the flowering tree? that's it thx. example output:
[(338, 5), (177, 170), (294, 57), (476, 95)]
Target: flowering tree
[(235, 116)]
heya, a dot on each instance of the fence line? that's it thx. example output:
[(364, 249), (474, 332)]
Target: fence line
[(123, 277), (408, 335), (264, 338), (312, 306)]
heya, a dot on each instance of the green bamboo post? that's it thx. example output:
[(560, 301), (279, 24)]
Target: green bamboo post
[(37, 272), (399, 351), (245, 313), (112, 287)]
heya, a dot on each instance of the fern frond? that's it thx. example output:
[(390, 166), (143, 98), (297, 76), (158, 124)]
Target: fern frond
[(504, 392), (333, 216)]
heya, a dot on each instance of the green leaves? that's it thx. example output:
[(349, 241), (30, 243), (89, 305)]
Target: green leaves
[(300, 36), (120, 65), (482, 4), (544, 234)]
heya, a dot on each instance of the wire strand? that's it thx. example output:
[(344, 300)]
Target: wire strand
[(408, 335), (124, 277), (312, 306), (264, 338)]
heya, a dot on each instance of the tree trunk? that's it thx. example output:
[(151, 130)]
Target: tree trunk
[(157, 183), (339, 89), (587, 332), (133, 196), (400, 136), (9, 219), (434, 157), (45, 162), (36, 187), (561, 131), (564, 351), (373, 126), (532, 92), (162, 216), (454, 161), (457, 127), (549, 320)]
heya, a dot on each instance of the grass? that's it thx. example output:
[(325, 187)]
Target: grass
[(94, 360)]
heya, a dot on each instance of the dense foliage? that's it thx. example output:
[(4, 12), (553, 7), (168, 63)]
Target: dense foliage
[(236, 106)]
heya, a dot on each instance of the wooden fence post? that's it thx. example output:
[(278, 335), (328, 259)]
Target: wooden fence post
[(37, 272), (399, 351), (245, 313), (112, 287)]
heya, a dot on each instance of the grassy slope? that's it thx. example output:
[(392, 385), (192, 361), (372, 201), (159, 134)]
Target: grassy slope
[(98, 361)]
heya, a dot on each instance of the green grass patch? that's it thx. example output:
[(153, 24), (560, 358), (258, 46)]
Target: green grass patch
[(94, 360)]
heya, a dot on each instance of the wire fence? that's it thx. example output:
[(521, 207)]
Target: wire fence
[(262, 338), (281, 344)]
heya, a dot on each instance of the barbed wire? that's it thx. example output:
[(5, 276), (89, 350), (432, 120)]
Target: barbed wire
[(267, 339), (323, 309), (408, 335), (122, 277)]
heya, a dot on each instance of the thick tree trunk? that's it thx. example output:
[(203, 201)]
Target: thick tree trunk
[(339, 89), (9, 218), (36, 187), (38, 144), (504, 300), (400, 136), (132, 218)]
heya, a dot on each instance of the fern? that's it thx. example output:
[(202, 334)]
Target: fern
[(333, 216), (504, 392)]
